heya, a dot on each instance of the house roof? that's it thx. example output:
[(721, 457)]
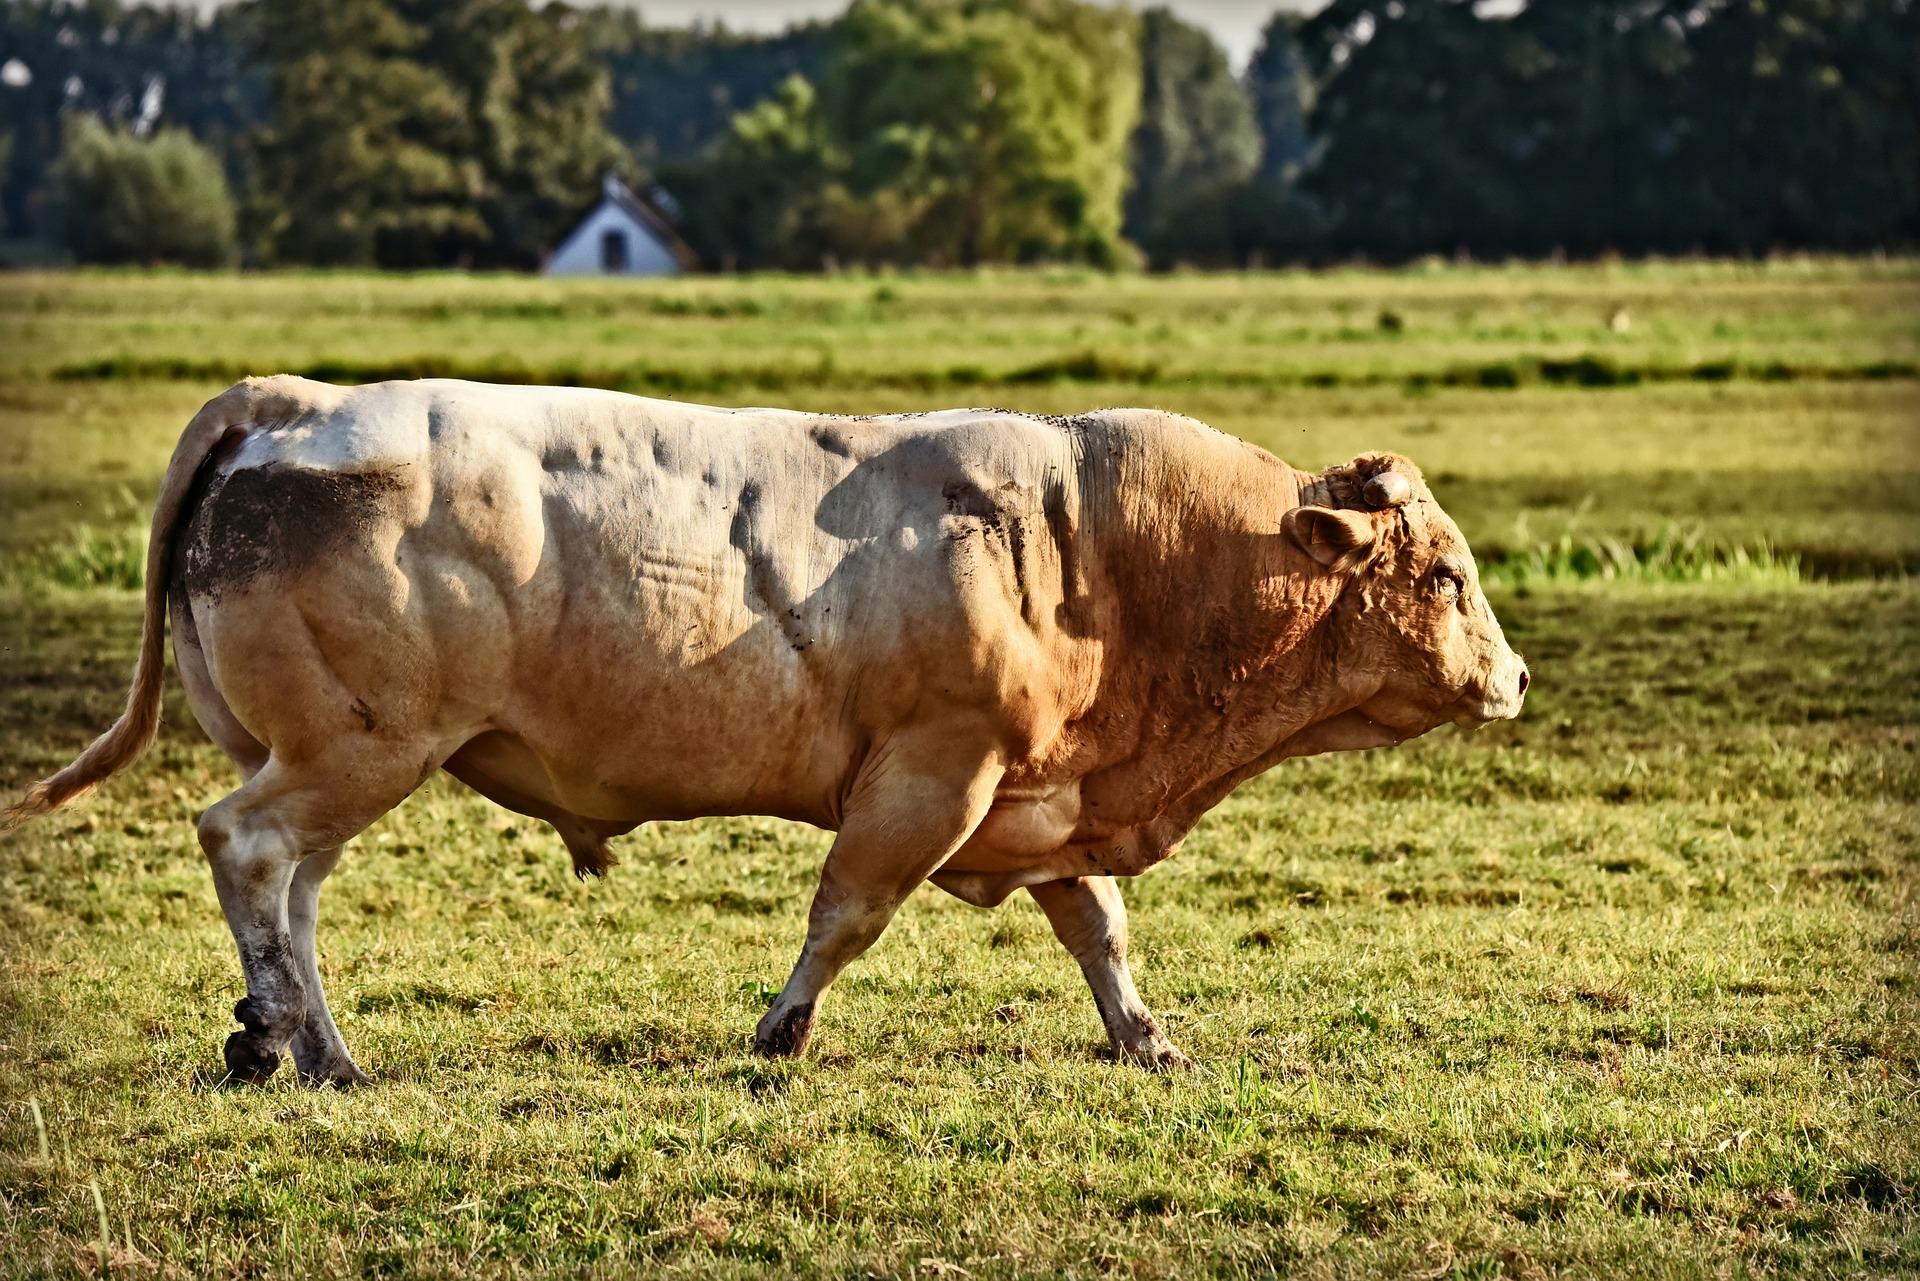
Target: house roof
[(643, 211)]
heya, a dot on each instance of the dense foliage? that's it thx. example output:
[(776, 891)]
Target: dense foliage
[(1282, 91), (941, 132), (676, 89), (130, 66), (125, 199), (1197, 132), (1729, 126), (426, 132), (436, 132)]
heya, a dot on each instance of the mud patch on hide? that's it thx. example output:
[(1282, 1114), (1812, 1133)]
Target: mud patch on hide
[(259, 521)]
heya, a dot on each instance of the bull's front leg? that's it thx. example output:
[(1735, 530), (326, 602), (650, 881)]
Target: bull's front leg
[(910, 809), (1089, 918)]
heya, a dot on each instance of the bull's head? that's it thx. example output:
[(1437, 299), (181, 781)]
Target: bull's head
[(1418, 645)]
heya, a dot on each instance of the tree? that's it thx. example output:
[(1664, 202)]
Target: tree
[(1196, 133), (426, 132), (1796, 122), (540, 105), (1729, 126), (757, 200), (997, 128), (942, 131), (132, 200), (1282, 90), (423, 132), (140, 67), (676, 88)]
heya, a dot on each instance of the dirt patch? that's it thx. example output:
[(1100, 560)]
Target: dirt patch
[(259, 521)]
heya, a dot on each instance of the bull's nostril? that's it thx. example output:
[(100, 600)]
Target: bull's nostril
[(1525, 680)]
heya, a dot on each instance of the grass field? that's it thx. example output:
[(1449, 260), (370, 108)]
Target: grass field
[(1624, 988)]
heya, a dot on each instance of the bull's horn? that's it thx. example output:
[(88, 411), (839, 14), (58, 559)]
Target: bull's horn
[(1388, 489)]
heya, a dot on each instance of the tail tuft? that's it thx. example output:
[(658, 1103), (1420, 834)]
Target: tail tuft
[(38, 800), (112, 752)]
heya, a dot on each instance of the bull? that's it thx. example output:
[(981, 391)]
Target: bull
[(990, 650)]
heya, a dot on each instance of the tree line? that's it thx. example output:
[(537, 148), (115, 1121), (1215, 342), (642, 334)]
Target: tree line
[(417, 133)]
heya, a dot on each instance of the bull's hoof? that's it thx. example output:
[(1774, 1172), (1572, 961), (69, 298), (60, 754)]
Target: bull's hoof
[(247, 1061), (336, 1076), (1156, 1056), (248, 1016), (784, 1034), (323, 1061)]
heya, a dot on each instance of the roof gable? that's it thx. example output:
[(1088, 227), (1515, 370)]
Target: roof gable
[(621, 200)]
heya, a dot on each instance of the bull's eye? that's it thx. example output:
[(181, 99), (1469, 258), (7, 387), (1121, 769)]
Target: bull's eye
[(1447, 582)]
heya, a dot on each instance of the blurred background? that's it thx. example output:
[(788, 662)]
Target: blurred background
[(750, 134)]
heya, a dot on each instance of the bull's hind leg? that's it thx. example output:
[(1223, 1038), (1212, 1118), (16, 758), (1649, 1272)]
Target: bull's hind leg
[(259, 842), (317, 1048), (319, 1052), (1089, 918), (909, 811)]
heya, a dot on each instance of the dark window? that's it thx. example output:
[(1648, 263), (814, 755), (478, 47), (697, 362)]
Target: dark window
[(613, 250)]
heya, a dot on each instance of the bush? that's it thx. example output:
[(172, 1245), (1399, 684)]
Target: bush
[(125, 199)]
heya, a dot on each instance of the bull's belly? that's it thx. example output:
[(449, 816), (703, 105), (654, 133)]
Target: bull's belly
[(632, 768), (1025, 828), (617, 792)]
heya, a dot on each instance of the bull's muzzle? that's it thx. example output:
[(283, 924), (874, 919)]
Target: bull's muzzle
[(1503, 694)]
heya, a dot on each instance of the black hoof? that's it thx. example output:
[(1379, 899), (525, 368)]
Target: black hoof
[(248, 1016), (788, 1038), (246, 1061)]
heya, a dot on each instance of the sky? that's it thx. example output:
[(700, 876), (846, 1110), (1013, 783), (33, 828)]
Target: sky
[(1234, 23)]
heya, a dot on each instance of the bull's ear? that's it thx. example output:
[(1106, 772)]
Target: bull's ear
[(1327, 535)]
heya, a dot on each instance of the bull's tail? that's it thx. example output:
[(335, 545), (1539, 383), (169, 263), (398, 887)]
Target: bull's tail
[(230, 412)]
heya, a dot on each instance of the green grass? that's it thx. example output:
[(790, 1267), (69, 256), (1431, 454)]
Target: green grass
[(1626, 987), (97, 371), (88, 557), (1670, 556)]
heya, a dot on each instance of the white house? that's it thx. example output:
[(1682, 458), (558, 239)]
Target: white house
[(623, 236)]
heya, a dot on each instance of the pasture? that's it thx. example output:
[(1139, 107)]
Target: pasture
[(1624, 988)]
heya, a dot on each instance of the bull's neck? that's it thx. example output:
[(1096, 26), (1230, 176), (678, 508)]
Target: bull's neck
[(1190, 528), (1220, 654)]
